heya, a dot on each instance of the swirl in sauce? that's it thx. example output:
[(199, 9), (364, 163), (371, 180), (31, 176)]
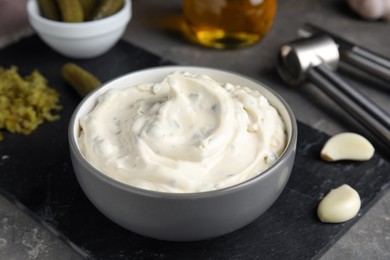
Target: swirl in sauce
[(187, 133)]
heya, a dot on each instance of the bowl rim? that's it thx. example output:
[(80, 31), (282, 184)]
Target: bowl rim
[(35, 17), (290, 146)]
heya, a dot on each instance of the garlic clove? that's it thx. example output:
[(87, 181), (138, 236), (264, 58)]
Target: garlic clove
[(339, 205), (347, 146), (371, 9), (368, 9)]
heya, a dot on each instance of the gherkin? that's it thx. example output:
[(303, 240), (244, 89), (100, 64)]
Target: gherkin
[(49, 9), (81, 80), (88, 7), (107, 8), (71, 11)]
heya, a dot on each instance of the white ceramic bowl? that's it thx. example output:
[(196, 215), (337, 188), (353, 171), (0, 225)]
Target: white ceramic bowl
[(80, 40), (183, 216)]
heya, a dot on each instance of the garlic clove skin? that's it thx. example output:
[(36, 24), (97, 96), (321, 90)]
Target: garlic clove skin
[(339, 205), (347, 146)]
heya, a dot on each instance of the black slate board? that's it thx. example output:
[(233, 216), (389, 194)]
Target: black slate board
[(36, 172)]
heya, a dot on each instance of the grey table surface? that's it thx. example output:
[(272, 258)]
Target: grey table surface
[(153, 27)]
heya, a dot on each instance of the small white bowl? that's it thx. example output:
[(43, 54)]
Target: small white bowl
[(80, 40)]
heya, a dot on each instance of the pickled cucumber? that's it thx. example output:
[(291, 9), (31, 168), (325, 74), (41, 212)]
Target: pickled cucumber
[(88, 7), (107, 8), (49, 9), (81, 80), (71, 11), (26, 101)]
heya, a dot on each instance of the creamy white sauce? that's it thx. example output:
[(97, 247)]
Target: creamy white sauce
[(187, 133)]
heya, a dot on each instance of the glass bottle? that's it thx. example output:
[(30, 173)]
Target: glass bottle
[(228, 23)]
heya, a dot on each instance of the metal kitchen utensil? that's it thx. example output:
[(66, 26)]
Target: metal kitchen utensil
[(353, 54), (315, 58)]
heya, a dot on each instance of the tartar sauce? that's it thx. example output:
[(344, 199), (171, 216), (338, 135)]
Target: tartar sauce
[(185, 134)]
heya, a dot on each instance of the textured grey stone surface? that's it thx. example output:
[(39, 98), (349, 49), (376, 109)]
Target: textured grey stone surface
[(154, 28), (22, 237)]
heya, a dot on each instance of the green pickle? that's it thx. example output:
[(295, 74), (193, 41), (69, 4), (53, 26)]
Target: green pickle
[(107, 8), (71, 11), (49, 9), (81, 80), (88, 8)]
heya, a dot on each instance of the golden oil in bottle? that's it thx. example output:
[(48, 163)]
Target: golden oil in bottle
[(228, 23)]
